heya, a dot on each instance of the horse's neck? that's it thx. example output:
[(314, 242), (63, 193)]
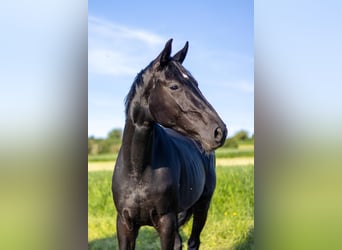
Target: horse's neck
[(137, 143)]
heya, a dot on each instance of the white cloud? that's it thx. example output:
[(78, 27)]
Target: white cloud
[(114, 30), (115, 49)]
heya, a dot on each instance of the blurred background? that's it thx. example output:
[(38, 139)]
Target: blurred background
[(44, 117)]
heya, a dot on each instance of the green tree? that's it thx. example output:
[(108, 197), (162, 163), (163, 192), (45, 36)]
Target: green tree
[(231, 143), (115, 135), (242, 135)]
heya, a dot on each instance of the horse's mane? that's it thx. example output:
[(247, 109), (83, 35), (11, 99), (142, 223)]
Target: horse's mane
[(138, 81)]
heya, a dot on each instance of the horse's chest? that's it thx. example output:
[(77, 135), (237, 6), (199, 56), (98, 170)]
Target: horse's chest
[(143, 197), (137, 194)]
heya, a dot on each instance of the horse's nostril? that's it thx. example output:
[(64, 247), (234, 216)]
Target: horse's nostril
[(218, 134)]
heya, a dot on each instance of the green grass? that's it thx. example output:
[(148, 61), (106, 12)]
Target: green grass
[(230, 223), (102, 157), (234, 152)]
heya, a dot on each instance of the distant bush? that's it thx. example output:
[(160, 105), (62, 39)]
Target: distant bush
[(241, 135), (231, 143), (109, 145)]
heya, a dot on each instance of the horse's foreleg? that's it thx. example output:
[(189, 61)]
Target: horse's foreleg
[(167, 229), (178, 242), (182, 218), (126, 236), (200, 212)]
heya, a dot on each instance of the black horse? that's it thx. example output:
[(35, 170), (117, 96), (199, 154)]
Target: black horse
[(165, 170)]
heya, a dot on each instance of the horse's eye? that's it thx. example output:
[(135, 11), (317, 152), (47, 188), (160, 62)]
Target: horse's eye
[(174, 87)]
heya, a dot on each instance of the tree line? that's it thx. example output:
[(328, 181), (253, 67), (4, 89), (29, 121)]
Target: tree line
[(111, 144)]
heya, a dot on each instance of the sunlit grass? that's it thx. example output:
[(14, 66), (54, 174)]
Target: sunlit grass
[(230, 223)]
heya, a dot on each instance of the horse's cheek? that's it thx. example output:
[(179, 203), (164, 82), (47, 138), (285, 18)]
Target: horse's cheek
[(161, 110)]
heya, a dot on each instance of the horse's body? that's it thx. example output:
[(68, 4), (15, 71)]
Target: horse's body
[(162, 177)]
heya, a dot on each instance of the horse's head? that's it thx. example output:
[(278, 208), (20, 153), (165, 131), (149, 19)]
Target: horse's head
[(175, 101)]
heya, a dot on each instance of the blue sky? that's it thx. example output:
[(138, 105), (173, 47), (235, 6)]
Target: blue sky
[(124, 36)]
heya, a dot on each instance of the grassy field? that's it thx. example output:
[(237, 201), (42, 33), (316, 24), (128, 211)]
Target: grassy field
[(230, 223)]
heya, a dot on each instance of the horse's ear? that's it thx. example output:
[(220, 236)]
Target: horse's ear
[(164, 56), (180, 55)]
